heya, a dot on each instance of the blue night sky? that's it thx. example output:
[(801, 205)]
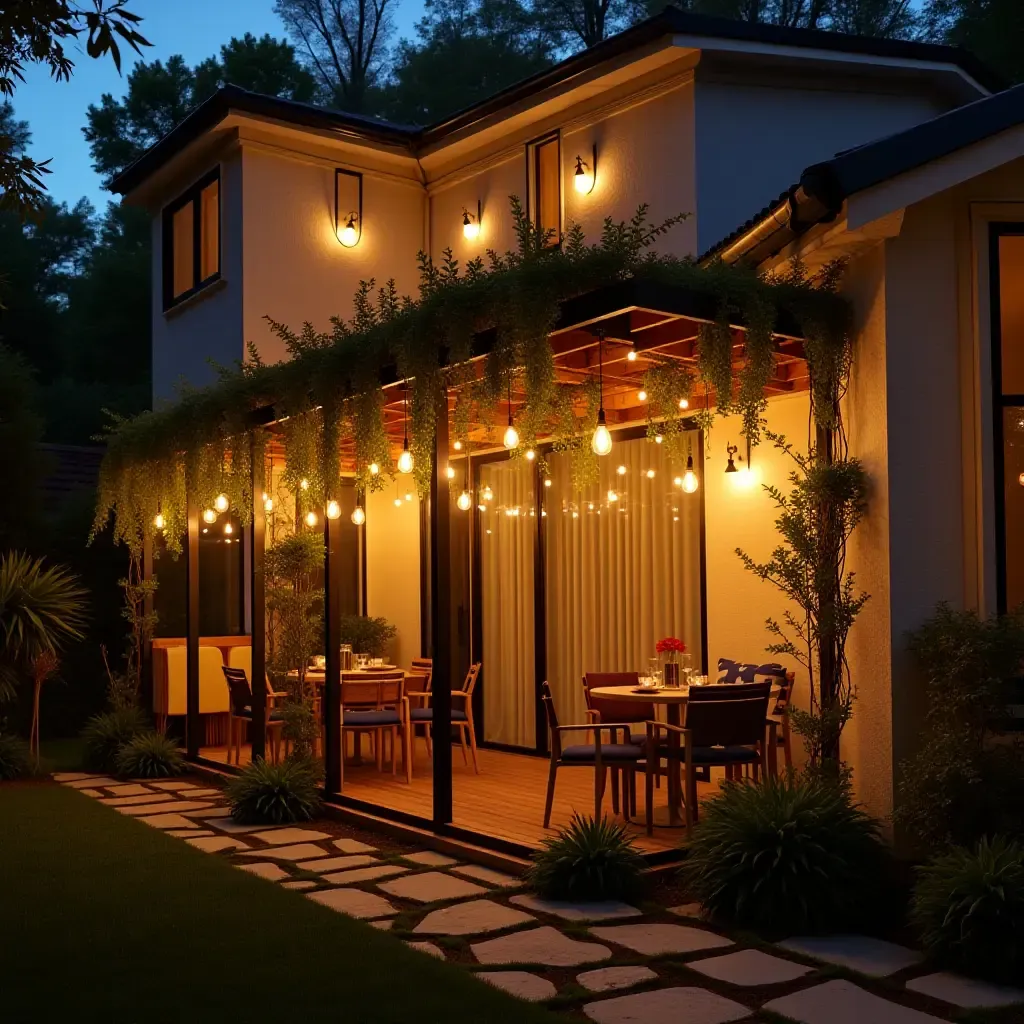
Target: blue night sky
[(196, 29)]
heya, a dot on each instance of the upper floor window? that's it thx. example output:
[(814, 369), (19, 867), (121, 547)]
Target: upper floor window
[(191, 240), (545, 186)]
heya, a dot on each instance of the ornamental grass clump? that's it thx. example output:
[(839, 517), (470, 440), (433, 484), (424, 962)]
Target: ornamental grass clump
[(788, 855), (968, 908), (104, 736), (589, 860), (15, 759), (275, 794), (150, 755)]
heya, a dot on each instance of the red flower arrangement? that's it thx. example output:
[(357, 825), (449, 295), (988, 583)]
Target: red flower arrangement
[(671, 646)]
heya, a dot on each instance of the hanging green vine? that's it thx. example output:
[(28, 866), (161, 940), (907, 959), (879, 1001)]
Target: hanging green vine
[(714, 364), (576, 417), (667, 384), (758, 368)]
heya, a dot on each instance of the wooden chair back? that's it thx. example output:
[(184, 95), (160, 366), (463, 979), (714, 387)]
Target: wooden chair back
[(784, 694), (423, 667), (727, 715), (552, 717), (611, 710), (239, 691), (383, 690), (469, 683)]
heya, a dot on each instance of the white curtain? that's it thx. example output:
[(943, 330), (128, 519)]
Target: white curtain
[(622, 573), (508, 530)]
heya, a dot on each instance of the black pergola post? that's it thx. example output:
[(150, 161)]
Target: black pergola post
[(258, 594), (332, 642), (441, 678), (192, 720), (146, 666)]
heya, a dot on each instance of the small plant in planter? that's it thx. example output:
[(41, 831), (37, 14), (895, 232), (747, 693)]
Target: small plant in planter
[(15, 758), (275, 794), (589, 860), (150, 755), (789, 854), (105, 735), (968, 907)]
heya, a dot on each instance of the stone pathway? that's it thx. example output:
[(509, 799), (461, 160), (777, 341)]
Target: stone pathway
[(609, 962)]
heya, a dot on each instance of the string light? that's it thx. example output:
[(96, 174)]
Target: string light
[(613, 496), (220, 503), (684, 403), (304, 484), (658, 439), (209, 516), (333, 510), (228, 529), (311, 518), (457, 446), (374, 469), (631, 355), (642, 395), (650, 474), (530, 455), (547, 481), (487, 492), (465, 501), (450, 472), (621, 471)]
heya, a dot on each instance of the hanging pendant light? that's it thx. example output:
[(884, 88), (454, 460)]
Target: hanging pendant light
[(602, 440), (220, 503), (158, 520), (465, 499), (312, 519), (374, 469), (209, 516), (689, 483), (511, 438), (333, 510), (405, 462), (358, 516)]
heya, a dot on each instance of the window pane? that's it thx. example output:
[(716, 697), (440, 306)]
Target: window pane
[(1013, 491), (548, 181), (181, 241), (210, 231)]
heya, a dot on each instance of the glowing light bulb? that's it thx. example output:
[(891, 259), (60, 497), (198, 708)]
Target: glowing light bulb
[(333, 510), (482, 508), (547, 481), (583, 177), (358, 516), (487, 493), (658, 439), (683, 403), (642, 395), (1020, 479), (398, 502), (304, 484), (374, 469), (465, 501), (631, 355), (511, 438), (621, 471), (209, 516), (678, 481), (470, 227), (405, 460), (268, 504), (311, 518), (158, 521), (690, 483), (349, 234), (220, 503), (530, 455), (650, 474), (228, 529), (613, 496), (451, 472), (457, 446), (602, 440)]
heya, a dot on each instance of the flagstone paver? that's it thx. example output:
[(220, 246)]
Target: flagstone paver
[(218, 812), (299, 883), (544, 945), (281, 836), (488, 875), (427, 947), (969, 993), (429, 859), (217, 844), (303, 851), (873, 957), (353, 846), (90, 782), (608, 910), (750, 967), (667, 1006), (383, 925), (362, 874), (843, 1002), (183, 833), (654, 939), (196, 793), (233, 827), (607, 979), (175, 821), (694, 910), (477, 917), (172, 786), (135, 801), (129, 789), (92, 792), (339, 863), (264, 869), (353, 902), (73, 776), (158, 807), (520, 983), (432, 886)]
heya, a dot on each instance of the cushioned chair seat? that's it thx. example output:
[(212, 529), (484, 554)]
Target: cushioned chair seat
[(427, 715), (639, 739), (370, 718), (724, 755), (274, 716), (585, 752)]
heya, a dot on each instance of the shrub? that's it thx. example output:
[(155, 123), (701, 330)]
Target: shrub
[(104, 735), (274, 794), (589, 860), (150, 755), (366, 634), (790, 854), (968, 906), (15, 760)]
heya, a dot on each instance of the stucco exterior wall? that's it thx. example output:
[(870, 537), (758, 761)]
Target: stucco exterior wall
[(208, 326)]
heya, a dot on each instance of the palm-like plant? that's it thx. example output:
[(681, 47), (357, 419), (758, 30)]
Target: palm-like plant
[(41, 609)]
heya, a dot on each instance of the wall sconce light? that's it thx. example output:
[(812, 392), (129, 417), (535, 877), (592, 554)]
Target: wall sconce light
[(585, 174), (471, 226), (348, 227), (730, 466)]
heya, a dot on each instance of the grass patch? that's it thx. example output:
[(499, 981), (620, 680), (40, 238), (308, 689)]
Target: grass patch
[(139, 926)]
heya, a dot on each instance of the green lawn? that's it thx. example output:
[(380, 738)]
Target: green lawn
[(105, 919)]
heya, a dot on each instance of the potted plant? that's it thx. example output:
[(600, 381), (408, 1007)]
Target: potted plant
[(671, 651)]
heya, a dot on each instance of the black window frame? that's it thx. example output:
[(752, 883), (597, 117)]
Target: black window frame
[(533, 148), (1000, 403), (190, 195)]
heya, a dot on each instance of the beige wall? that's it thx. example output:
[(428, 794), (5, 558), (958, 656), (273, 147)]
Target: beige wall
[(393, 567)]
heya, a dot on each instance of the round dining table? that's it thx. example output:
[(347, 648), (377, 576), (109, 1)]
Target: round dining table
[(673, 699)]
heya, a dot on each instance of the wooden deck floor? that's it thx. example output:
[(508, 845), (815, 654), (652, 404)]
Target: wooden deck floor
[(506, 800)]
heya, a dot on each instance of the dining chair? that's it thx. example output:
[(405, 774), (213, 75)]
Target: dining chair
[(462, 716), (723, 727), (597, 755), (778, 724), (377, 705), (240, 713)]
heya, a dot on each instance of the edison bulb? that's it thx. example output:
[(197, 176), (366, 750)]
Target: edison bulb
[(511, 438), (333, 510), (405, 461), (465, 501), (658, 439), (229, 529), (642, 395), (689, 482), (158, 521), (457, 446), (268, 504), (631, 355), (398, 502), (450, 472), (408, 495), (358, 516), (349, 235), (374, 469), (311, 518), (209, 516), (602, 441), (220, 503), (530, 455), (683, 403)]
